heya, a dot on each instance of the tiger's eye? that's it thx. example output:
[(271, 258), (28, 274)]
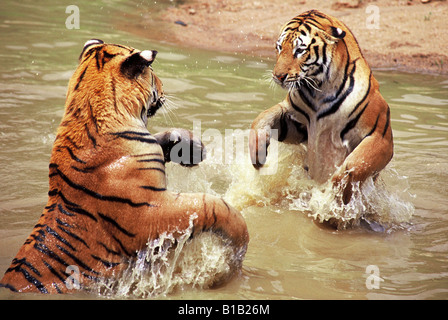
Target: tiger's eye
[(278, 46), (299, 51)]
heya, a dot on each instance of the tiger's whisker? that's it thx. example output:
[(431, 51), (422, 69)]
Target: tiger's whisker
[(311, 83)]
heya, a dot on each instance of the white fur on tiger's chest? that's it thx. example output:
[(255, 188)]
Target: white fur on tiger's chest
[(325, 149)]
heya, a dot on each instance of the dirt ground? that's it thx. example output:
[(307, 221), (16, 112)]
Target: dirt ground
[(407, 35)]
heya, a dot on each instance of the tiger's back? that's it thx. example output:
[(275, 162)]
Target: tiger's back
[(107, 187)]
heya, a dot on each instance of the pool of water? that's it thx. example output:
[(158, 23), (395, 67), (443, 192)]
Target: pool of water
[(290, 256)]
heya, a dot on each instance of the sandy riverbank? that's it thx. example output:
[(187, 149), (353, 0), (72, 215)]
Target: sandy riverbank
[(410, 35)]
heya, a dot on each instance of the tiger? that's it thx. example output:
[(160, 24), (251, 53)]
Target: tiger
[(333, 105), (108, 191)]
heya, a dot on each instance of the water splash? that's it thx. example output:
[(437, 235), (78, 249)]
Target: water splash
[(172, 263), (169, 264), (372, 205), (383, 205)]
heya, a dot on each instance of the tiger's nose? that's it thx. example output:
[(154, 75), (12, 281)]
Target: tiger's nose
[(280, 77)]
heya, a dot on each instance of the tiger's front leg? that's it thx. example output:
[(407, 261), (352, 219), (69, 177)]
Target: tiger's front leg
[(181, 146), (195, 213), (209, 214), (369, 157), (277, 118)]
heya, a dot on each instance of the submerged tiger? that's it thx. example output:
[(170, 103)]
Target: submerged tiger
[(107, 185), (333, 104)]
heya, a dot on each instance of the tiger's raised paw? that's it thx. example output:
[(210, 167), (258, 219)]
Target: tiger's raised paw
[(259, 141), (181, 146)]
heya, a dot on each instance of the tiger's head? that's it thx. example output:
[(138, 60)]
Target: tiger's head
[(305, 49), (113, 85)]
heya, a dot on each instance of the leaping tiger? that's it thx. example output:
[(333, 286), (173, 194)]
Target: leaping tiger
[(107, 187), (333, 104)]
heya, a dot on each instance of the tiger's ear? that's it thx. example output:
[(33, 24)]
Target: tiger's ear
[(89, 44), (332, 34), (337, 33), (136, 63)]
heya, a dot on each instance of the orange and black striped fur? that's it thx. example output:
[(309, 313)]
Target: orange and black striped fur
[(333, 103), (107, 186)]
